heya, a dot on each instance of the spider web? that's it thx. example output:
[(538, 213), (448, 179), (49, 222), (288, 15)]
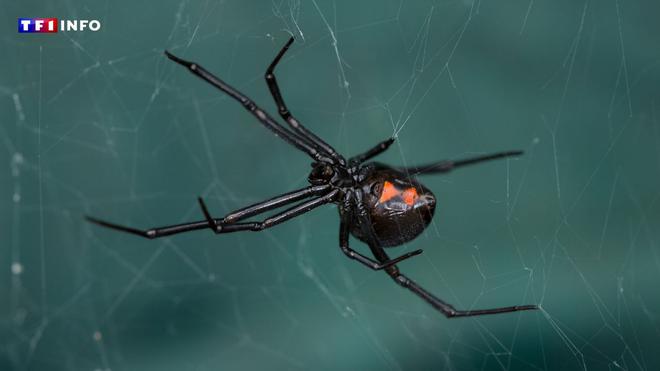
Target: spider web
[(101, 123)]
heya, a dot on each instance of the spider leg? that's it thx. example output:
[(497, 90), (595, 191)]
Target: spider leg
[(449, 165), (213, 224), (152, 232), (276, 219), (447, 309), (275, 202), (373, 152), (364, 260), (393, 271), (274, 88), (239, 214), (289, 136)]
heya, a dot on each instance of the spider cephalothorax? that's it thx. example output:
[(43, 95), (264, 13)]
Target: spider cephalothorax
[(325, 174), (382, 206)]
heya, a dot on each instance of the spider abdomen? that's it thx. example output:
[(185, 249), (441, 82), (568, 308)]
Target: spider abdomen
[(400, 208)]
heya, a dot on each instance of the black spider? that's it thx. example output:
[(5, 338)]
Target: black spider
[(380, 205)]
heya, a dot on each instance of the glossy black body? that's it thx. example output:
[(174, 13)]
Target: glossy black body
[(382, 206), (394, 221)]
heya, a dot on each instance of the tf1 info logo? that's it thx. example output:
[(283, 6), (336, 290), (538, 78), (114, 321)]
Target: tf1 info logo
[(52, 25)]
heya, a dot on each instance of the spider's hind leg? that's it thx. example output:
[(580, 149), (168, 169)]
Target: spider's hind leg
[(447, 309), (344, 231), (364, 260), (393, 271), (449, 165)]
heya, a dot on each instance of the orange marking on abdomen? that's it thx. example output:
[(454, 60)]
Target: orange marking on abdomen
[(410, 196), (389, 192)]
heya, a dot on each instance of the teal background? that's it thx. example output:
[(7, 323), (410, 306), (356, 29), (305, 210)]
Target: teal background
[(101, 123)]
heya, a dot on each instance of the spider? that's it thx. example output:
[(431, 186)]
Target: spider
[(380, 205)]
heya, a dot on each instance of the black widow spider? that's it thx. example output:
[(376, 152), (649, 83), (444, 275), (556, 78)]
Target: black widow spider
[(380, 205)]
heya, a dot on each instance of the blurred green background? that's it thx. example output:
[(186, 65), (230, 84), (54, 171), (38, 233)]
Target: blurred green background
[(101, 123)]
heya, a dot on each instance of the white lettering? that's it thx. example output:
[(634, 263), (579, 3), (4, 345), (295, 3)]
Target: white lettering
[(72, 25), (94, 25)]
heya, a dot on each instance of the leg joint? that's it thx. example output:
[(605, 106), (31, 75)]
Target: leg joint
[(229, 218), (400, 279), (356, 256)]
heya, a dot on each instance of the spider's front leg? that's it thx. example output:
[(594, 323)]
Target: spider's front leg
[(372, 152), (231, 218), (266, 120), (284, 112), (287, 214)]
